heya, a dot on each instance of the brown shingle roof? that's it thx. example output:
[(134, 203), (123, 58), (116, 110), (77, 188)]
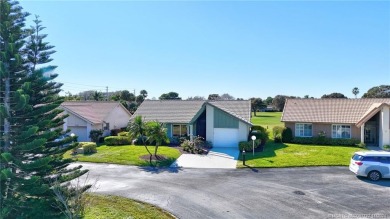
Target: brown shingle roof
[(349, 111), (92, 111), (183, 111)]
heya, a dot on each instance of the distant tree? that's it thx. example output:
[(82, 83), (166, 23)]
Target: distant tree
[(132, 107), (115, 97), (382, 91), (268, 101), (139, 99), (196, 98), (333, 95), (256, 104), (70, 97), (214, 97), (279, 101), (144, 93), (238, 98), (170, 96), (156, 132), (97, 96), (127, 95), (227, 96), (355, 91), (306, 96)]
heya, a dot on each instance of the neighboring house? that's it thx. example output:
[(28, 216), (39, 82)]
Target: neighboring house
[(364, 119), (85, 116), (269, 108), (224, 123)]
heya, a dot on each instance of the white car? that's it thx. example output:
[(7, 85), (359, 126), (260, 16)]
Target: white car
[(372, 164)]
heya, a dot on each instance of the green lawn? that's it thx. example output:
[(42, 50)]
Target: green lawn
[(295, 155), (267, 119), (105, 207), (127, 155)]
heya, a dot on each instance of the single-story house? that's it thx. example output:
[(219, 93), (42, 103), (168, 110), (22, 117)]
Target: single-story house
[(364, 119), (85, 116), (224, 123)]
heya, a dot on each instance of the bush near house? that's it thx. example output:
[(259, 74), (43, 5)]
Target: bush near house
[(321, 140), (287, 135), (123, 133), (261, 135), (88, 147), (248, 145), (95, 134), (117, 140), (197, 146)]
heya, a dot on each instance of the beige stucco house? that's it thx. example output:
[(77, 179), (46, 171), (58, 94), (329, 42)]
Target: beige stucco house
[(364, 119), (85, 116)]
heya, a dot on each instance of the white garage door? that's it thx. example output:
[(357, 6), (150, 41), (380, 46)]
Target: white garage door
[(224, 137), (81, 132)]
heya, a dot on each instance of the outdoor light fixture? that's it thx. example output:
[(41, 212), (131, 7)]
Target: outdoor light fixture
[(253, 145)]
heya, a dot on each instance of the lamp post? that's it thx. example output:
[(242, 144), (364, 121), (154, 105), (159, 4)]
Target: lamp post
[(253, 145), (72, 135), (243, 157)]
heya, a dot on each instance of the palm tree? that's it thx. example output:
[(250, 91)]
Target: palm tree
[(144, 93), (156, 133), (97, 96), (137, 130), (355, 91)]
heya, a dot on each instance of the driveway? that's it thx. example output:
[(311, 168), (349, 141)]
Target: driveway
[(310, 192), (218, 157)]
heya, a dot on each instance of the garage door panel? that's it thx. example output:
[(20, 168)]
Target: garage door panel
[(80, 131), (225, 137)]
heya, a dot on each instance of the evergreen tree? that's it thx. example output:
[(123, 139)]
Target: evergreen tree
[(31, 161)]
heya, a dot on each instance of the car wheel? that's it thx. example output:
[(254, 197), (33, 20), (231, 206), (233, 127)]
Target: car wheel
[(374, 175)]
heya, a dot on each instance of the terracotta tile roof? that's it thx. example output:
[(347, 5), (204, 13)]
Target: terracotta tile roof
[(91, 111), (349, 111), (183, 111)]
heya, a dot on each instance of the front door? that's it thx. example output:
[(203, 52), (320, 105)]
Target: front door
[(370, 135)]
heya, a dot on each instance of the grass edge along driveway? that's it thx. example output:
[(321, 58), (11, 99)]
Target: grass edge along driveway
[(127, 155), (297, 155), (108, 206)]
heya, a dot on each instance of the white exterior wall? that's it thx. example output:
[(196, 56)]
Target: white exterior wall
[(118, 118), (209, 123), (73, 120), (243, 131), (384, 124)]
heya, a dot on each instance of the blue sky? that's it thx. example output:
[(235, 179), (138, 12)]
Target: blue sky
[(244, 48)]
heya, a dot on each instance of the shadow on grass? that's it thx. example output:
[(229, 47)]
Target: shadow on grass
[(381, 182), (269, 151)]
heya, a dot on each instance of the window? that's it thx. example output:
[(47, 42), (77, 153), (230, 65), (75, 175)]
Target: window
[(303, 130), (179, 130), (341, 131)]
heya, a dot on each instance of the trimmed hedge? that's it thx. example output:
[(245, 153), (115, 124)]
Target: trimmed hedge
[(287, 135), (117, 140), (248, 145), (326, 141), (123, 133), (88, 147)]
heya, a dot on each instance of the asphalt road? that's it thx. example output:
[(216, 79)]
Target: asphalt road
[(310, 192)]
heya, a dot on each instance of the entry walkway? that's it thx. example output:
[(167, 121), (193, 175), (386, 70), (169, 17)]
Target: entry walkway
[(224, 158)]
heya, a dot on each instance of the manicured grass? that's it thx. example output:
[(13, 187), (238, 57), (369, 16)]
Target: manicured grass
[(127, 155), (104, 206), (267, 119), (295, 155)]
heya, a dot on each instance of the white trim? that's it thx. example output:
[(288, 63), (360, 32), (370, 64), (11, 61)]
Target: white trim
[(336, 124), (302, 123)]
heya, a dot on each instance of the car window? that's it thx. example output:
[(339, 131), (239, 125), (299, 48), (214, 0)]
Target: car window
[(384, 159), (370, 159), (357, 157)]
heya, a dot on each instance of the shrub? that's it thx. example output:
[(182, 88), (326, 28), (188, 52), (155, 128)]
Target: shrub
[(114, 132), (277, 130), (88, 147), (258, 128), (123, 133), (278, 138), (326, 141), (95, 134), (117, 140), (361, 145), (386, 147), (248, 145), (260, 135), (287, 135), (196, 146)]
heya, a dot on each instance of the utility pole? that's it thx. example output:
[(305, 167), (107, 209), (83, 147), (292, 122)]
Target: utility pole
[(106, 93)]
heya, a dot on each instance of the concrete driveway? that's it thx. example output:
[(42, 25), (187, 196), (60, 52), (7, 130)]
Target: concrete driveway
[(218, 157), (316, 192)]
